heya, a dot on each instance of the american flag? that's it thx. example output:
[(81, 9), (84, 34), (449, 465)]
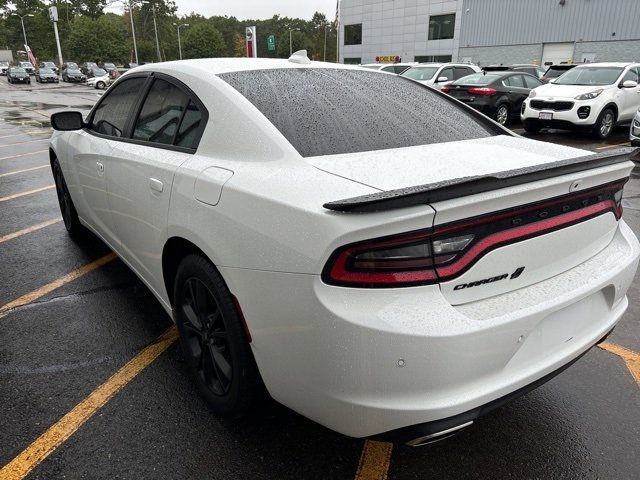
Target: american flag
[(337, 22)]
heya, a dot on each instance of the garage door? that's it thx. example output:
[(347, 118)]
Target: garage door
[(554, 53)]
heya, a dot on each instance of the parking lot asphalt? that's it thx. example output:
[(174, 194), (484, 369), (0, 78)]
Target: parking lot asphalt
[(93, 384)]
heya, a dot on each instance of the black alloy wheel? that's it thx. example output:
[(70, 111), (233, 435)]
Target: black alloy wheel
[(206, 336), (213, 339), (67, 208)]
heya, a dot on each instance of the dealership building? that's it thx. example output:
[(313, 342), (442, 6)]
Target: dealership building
[(490, 31)]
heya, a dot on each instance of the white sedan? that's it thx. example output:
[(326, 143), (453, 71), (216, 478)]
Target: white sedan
[(378, 256)]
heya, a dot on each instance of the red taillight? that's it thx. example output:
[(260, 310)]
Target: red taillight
[(482, 91), (445, 89), (431, 256)]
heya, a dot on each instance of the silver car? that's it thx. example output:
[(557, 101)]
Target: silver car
[(634, 132)]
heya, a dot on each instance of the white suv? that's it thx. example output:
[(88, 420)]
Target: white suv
[(593, 97), (634, 134)]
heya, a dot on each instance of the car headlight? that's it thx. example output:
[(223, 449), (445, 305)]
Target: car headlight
[(532, 93), (590, 95)]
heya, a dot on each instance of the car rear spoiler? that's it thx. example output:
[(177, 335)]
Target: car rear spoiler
[(462, 187)]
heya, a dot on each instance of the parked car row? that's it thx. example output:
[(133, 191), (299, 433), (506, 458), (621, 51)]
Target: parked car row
[(93, 74)]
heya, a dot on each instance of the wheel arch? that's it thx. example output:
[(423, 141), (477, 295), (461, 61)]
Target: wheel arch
[(612, 106)]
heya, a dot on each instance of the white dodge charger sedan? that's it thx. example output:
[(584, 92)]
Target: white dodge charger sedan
[(376, 255)]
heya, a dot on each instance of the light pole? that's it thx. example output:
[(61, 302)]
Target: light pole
[(179, 44), (291, 41), (24, 32), (155, 29)]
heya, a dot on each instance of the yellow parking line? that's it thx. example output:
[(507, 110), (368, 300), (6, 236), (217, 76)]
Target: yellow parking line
[(29, 192), (24, 231), (23, 143), (49, 287), (60, 431), (625, 144), (631, 358), (15, 172), (23, 154), (374, 461)]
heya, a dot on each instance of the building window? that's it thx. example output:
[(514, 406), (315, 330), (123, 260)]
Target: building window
[(432, 58), (441, 27), (353, 34), (353, 61)]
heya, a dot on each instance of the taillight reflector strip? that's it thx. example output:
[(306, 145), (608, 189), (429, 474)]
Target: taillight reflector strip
[(441, 254)]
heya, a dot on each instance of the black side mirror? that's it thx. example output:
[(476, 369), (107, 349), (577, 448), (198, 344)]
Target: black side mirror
[(66, 121)]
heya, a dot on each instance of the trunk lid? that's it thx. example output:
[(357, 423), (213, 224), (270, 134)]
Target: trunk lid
[(521, 234)]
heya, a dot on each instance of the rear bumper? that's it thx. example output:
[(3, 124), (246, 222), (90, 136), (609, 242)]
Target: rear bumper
[(400, 363)]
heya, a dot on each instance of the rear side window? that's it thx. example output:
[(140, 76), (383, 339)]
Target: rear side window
[(190, 128), (161, 113), (110, 117), (515, 81), (333, 111)]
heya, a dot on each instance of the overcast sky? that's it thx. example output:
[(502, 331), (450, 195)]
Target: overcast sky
[(258, 9)]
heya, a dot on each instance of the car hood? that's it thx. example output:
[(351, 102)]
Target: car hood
[(565, 91), (424, 164)]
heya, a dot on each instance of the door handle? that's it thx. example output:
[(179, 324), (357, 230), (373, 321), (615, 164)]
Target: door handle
[(156, 184)]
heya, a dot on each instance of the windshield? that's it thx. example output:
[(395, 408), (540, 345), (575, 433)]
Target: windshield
[(420, 73), (99, 72), (72, 66), (590, 76), (73, 70), (25, 64), (45, 70), (109, 65), (326, 111), (17, 70), (49, 64), (477, 79)]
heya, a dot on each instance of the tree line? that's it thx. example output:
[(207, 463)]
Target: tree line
[(90, 31)]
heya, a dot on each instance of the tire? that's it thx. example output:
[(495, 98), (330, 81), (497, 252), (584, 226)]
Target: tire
[(213, 340), (502, 114), (603, 128), (100, 85), (67, 208)]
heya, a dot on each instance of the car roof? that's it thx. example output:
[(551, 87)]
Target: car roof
[(608, 64), (219, 66)]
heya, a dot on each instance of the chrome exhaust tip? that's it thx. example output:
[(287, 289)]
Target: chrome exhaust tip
[(437, 436)]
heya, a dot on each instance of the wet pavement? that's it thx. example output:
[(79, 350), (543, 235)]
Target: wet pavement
[(59, 345)]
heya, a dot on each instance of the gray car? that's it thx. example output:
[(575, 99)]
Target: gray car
[(634, 132)]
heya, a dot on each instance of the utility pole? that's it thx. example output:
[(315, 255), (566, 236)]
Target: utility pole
[(133, 32), (53, 15), (324, 52), (179, 44), (291, 41), (155, 29)]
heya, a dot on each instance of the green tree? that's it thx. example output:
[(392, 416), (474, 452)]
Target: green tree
[(299, 41), (101, 39), (203, 41)]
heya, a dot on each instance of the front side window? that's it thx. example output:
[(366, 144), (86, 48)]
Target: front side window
[(161, 113), (110, 117), (446, 75), (531, 82), (631, 75), (420, 73), (441, 27), (326, 111), (353, 34)]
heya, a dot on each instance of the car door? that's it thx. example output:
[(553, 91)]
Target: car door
[(89, 154), (629, 97), (163, 135), (446, 74), (517, 91)]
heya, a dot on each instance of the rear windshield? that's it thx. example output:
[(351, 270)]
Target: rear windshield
[(556, 72), (477, 79), (334, 111)]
